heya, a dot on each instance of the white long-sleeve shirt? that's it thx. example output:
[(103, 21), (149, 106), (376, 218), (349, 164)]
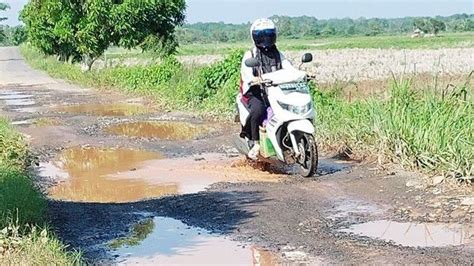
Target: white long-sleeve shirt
[(247, 72)]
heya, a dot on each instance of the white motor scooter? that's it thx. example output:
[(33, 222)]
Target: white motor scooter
[(288, 135)]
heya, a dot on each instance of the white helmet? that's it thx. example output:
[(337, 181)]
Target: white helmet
[(264, 33)]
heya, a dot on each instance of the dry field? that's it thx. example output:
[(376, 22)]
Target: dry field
[(374, 64)]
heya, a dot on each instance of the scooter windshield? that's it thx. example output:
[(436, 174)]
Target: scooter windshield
[(300, 87)]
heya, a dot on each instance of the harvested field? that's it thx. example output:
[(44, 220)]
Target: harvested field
[(356, 64)]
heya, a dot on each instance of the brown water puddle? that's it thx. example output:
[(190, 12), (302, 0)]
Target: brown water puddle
[(194, 174), (161, 129), (121, 175), (87, 171), (166, 241), (415, 234), (105, 109)]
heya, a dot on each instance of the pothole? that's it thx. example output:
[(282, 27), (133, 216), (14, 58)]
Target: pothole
[(165, 130), (195, 174), (416, 234), (86, 171), (105, 109), (351, 208), (167, 241), (22, 122), (14, 96), (19, 102), (121, 175)]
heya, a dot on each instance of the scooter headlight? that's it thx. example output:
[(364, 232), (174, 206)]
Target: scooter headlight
[(299, 110)]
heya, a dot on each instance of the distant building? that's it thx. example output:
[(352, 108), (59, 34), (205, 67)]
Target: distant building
[(417, 33)]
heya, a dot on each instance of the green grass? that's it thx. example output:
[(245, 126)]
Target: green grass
[(416, 127), (419, 127), (377, 42), (22, 210), (447, 40)]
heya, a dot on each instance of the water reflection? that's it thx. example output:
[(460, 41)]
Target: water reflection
[(88, 169), (173, 242), (416, 235), (106, 109), (161, 130)]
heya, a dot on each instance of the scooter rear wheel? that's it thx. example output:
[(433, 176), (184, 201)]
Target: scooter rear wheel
[(308, 160)]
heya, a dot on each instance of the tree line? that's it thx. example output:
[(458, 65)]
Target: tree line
[(81, 30), (311, 27)]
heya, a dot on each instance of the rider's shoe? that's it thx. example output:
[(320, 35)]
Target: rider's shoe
[(253, 153)]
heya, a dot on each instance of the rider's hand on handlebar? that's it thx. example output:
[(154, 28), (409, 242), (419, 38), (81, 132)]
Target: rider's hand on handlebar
[(256, 81)]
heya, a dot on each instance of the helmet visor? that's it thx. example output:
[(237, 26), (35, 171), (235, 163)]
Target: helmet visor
[(264, 38)]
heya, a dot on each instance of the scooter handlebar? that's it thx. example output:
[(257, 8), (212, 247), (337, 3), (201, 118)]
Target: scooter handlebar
[(266, 82)]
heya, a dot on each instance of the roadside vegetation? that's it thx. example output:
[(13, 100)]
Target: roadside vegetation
[(427, 128), (24, 236)]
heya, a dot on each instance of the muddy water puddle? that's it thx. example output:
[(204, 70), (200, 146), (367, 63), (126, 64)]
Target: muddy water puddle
[(122, 175), (416, 234), (164, 130), (195, 174), (166, 241), (106, 109), (86, 173)]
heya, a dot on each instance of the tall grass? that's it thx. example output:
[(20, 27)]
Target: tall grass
[(22, 210), (417, 127)]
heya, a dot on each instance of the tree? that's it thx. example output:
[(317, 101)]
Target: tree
[(329, 30), (18, 35), (81, 30), (436, 26), (420, 24), (374, 28), (3, 7)]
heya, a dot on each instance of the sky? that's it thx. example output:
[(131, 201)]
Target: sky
[(242, 11)]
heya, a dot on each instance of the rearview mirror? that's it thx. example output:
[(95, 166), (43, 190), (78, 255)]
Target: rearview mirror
[(252, 62), (307, 58)]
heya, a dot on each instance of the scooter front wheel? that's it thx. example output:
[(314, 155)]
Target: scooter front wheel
[(308, 159)]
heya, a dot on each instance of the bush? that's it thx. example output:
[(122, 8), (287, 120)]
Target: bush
[(13, 150)]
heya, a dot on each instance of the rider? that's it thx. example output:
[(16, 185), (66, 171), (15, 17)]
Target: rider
[(264, 35)]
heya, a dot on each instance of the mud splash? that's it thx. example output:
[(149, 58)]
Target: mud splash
[(161, 130), (416, 235), (194, 174), (166, 241), (105, 109), (86, 173)]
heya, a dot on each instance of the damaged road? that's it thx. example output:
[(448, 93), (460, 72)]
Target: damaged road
[(130, 184)]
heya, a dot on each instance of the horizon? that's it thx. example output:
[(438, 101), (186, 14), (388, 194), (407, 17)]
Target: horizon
[(235, 11)]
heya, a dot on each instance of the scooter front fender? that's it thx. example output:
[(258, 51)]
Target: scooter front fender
[(301, 125)]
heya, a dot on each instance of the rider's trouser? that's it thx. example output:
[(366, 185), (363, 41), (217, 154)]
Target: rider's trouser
[(257, 113)]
